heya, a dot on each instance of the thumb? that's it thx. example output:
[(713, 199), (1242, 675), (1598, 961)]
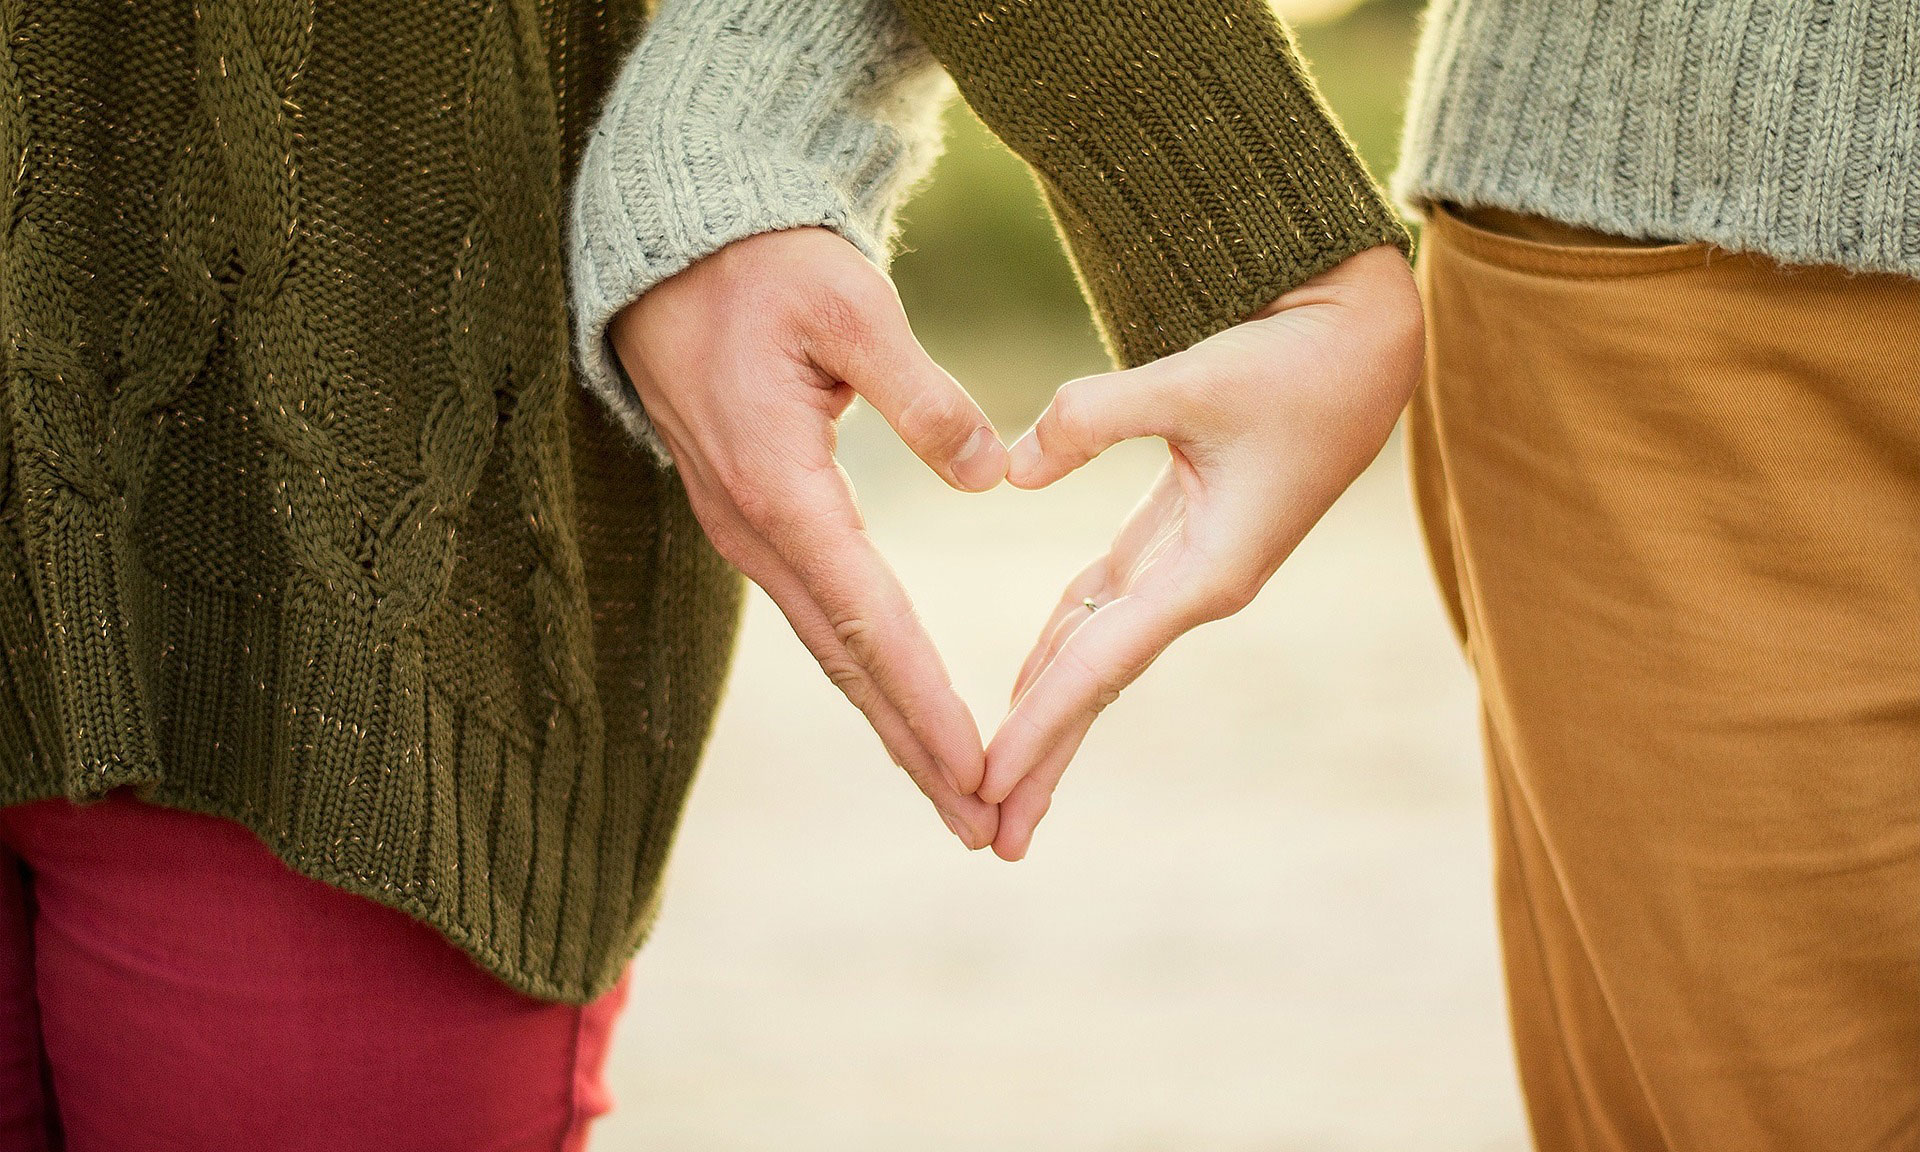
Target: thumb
[(872, 349), (1089, 415)]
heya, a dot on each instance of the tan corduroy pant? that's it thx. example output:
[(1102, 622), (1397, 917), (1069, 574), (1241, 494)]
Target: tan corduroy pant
[(1673, 499)]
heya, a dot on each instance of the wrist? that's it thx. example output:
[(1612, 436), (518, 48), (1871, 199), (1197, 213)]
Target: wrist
[(1378, 277), (734, 118)]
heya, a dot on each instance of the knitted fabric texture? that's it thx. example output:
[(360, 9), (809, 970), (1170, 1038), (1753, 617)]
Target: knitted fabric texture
[(736, 117), (1787, 129), (1183, 149), (307, 522), (305, 517)]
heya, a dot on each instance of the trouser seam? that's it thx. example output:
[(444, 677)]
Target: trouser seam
[(568, 1136)]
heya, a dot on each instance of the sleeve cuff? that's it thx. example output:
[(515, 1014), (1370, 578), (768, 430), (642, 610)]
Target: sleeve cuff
[(1184, 151), (737, 117)]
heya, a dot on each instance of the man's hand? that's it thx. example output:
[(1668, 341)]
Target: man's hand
[(1267, 423), (745, 362)]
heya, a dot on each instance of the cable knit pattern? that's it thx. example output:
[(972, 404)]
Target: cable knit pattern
[(1786, 127), (783, 113), (64, 491), (305, 519), (300, 474)]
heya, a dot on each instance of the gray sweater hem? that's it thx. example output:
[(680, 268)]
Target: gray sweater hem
[(1786, 129)]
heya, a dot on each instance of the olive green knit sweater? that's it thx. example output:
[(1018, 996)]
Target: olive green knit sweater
[(305, 520)]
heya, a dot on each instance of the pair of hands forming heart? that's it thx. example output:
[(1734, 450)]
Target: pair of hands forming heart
[(746, 360)]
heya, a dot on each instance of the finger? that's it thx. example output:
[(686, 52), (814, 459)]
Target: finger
[(868, 344), (821, 539), (1003, 773), (1099, 659), (1056, 633), (1089, 415), (975, 822), (1150, 529), (1091, 580), (1022, 810)]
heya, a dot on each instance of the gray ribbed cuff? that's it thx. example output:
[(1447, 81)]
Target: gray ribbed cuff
[(732, 118)]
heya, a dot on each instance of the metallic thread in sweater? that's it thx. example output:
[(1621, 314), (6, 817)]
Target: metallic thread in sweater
[(306, 520)]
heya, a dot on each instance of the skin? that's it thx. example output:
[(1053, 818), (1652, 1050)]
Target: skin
[(746, 361), (1266, 423)]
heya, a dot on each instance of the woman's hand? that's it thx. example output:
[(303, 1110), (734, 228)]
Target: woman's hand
[(745, 362), (1267, 423)]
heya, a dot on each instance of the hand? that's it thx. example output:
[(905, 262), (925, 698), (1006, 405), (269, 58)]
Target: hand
[(1267, 423), (745, 362)]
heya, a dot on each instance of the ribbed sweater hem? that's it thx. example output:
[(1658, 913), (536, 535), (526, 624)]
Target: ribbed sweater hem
[(381, 781), (1765, 128), (307, 863), (1193, 168), (1697, 217)]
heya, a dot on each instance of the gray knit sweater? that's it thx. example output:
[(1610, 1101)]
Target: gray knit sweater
[(735, 117), (1787, 127)]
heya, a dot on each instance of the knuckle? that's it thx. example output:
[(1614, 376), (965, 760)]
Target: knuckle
[(924, 777), (848, 676), (843, 307), (1021, 719), (860, 638), (1179, 376), (936, 418), (1070, 416), (729, 476), (756, 504), (877, 644), (1107, 683), (761, 501), (731, 543), (1225, 598)]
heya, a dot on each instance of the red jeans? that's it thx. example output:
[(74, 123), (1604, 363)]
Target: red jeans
[(166, 983)]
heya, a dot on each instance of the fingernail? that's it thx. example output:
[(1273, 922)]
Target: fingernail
[(1025, 456), (954, 826), (980, 463)]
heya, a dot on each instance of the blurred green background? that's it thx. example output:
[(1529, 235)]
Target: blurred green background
[(984, 276)]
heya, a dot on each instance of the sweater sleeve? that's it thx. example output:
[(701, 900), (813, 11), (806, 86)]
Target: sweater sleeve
[(1183, 149), (736, 117)]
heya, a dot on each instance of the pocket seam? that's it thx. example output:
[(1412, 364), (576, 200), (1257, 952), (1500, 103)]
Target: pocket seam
[(1566, 261)]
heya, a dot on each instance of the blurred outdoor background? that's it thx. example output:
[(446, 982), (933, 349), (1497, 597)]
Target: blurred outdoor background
[(1258, 917)]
